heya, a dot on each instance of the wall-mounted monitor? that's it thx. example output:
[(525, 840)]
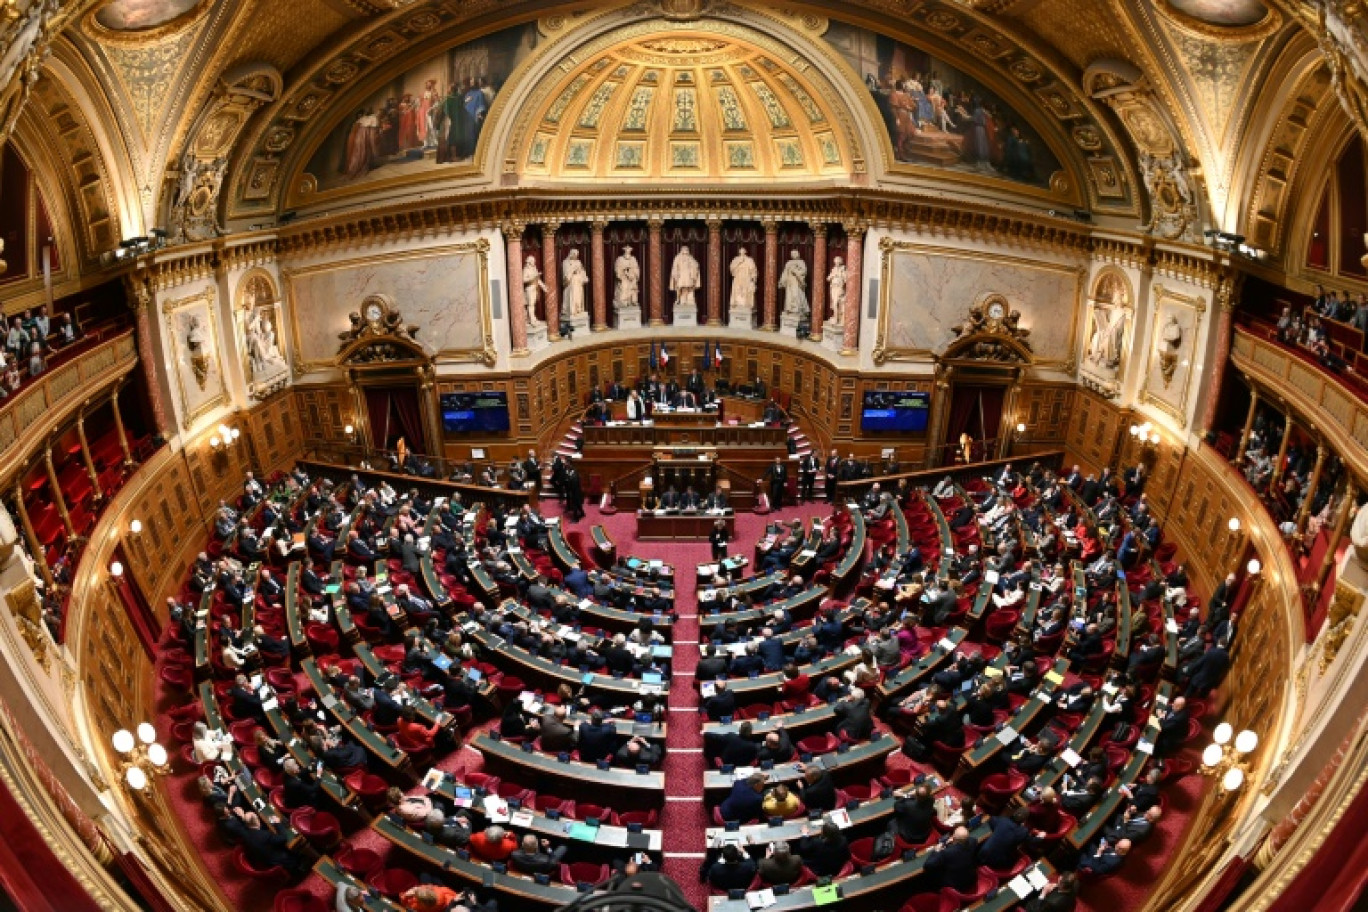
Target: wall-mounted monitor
[(902, 413), (475, 413)]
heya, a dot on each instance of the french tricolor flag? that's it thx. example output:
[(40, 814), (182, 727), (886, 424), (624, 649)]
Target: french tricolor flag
[(664, 356), (717, 355)]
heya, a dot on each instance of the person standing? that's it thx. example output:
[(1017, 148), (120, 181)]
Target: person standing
[(807, 477), (833, 469), (574, 495), (718, 538), (777, 475)]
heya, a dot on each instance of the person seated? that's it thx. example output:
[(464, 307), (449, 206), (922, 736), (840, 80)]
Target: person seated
[(734, 870), (209, 745), (639, 752), (780, 865), (1009, 834), (745, 803), (826, 852), (494, 843), (717, 500), (780, 802), (670, 499), (689, 501), (954, 863), (914, 815), (535, 856), (1102, 857), (267, 849)]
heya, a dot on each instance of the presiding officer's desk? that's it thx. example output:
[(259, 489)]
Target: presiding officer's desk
[(686, 526)]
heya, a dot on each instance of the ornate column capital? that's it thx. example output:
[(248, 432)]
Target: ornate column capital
[(597, 224), (771, 224), (655, 222), (819, 229), (551, 226), (513, 229)]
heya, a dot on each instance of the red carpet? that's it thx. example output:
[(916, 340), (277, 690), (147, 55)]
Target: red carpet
[(684, 817)]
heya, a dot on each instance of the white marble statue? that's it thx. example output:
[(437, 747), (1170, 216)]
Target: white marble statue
[(533, 286), (263, 354), (573, 281), (627, 272), (1358, 536), (836, 288), (685, 278), (745, 278), (793, 283)]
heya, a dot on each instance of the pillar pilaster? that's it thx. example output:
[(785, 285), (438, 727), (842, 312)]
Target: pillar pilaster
[(715, 272), (599, 277), (770, 319), (850, 345), (517, 299), (819, 285), (551, 277), (656, 264)]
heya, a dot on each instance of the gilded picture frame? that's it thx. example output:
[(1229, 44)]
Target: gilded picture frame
[(294, 278), (192, 328), (1168, 368)]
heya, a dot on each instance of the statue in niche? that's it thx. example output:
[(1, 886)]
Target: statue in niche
[(627, 273), (745, 277), (836, 288), (573, 280), (685, 278), (262, 351), (793, 283), (533, 286)]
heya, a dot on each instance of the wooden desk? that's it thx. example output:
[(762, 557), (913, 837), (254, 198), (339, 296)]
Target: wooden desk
[(532, 767), (717, 785), (509, 886), (1025, 718), (560, 548), (667, 431), (358, 728), (752, 689), (333, 874), (913, 674), (681, 526), (800, 607), (606, 837)]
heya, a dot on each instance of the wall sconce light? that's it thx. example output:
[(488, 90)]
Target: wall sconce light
[(116, 571), (1226, 758), (135, 527), (1233, 525), (1021, 429), (1145, 436), (215, 443), (350, 431), (140, 758), (1254, 567)]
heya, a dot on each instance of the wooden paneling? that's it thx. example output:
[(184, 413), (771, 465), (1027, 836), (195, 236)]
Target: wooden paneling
[(1095, 428), (217, 474), (171, 515), (274, 433), (323, 412)]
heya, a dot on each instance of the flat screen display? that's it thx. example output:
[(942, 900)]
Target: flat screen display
[(903, 413), (474, 413)]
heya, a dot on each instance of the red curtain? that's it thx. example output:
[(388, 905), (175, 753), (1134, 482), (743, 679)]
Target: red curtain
[(408, 417), (139, 612), (976, 411), (394, 412), (31, 876), (1335, 876)]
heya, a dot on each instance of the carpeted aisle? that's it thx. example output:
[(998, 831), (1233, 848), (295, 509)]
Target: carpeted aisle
[(684, 817)]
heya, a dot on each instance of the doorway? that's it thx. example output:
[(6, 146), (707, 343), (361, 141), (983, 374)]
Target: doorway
[(394, 412), (976, 411)]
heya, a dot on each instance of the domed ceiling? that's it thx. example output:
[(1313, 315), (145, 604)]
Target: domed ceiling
[(679, 106)]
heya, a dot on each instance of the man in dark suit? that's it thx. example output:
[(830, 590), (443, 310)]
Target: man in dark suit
[(777, 475), (556, 735), (854, 718), (954, 863), (833, 469), (533, 857), (825, 852), (777, 748), (737, 748), (999, 851), (711, 665), (1103, 858), (598, 739), (914, 815), (387, 709), (721, 704), (1132, 824), (744, 804), (1173, 727), (358, 550), (807, 477), (733, 871), (265, 849), (694, 383), (246, 704)]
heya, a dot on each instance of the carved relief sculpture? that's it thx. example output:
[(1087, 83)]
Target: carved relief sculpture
[(194, 210), (1169, 344)]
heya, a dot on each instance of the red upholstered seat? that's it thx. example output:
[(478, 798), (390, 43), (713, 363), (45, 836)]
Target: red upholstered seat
[(274, 874), (986, 882), (394, 882), (298, 901), (583, 872)]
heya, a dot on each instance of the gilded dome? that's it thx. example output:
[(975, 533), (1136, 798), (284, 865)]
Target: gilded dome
[(686, 105)]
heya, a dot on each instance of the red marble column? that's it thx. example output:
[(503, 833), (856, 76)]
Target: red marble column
[(140, 300), (819, 285), (854, 263), (598, 277), (551, 276), (655, 262), (715, 272), (517, 301), (1217, 368), (771, 278)]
